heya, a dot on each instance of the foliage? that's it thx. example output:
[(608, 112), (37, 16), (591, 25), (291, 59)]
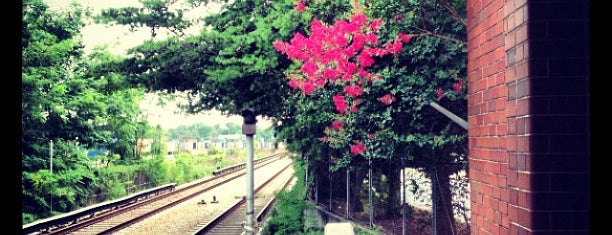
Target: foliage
[(384, 117), (70, 104), (286, 216), (229, 66), (154, 14)]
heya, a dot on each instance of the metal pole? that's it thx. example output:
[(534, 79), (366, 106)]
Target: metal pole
[(330, 190), (51, 156), (434, 202), (51, 169), (403, 198), (306, 177), (449, 114), (248, 129), (316, 187), (348, 194), (330, 178), (370, 192), (250, 183)]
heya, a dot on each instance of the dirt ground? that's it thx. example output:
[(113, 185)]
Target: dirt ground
[(418, 222)]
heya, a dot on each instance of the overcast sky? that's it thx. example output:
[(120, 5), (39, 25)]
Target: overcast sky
[(119, 39)]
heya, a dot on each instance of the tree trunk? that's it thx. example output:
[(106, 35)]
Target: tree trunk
[(445, 220), (356, 186), (392, 174)]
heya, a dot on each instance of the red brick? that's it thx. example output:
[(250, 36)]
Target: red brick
[(505, 195), (519, 16), (492, 228), (496, 6), (478, 85), (520, 125), (490, 167), (524, 199), (522, 107), (489, 203), (521, 70), (522, 144), (509, 22), (475, 98), (480, 220), (509, 41), (500, 104), (512, 212), (501, 181), (520, 55), (494, 44), (512, 181), (502, 207), (524, 218), (501, 129), (508, 7), (511, 73), (474, 229), (501, 66), (521, 32)]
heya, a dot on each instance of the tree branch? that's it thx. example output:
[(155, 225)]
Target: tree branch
[(429, 33), (452, 10)]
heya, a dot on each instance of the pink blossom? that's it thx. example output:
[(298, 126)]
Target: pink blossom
[(300, 8), (307, 87), (280, 46), (357, 149), (353, 90), (359, 19), (458, 86), (340, 104), (440, 93), (293, 83), (387, 99), (398, 17), (309, 68), (405, 38), (363, 73), (365, 60), (375, 25), (337, 125), (330, 73)]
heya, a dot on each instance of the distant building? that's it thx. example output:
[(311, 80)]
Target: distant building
[(144, 145)]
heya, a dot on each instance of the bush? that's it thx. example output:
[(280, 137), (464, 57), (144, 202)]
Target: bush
[(213, 151), (287, 215)]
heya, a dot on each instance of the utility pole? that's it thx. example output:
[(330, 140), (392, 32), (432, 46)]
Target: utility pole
[(51, 156), (51, 170), (248, 129)]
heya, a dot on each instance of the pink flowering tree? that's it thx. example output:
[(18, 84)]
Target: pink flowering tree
[(369, 76), (339, 59)]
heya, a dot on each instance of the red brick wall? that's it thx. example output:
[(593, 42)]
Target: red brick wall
[(528, 115), (487, 112)]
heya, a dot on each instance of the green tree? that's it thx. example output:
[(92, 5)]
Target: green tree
[(229, 66), (67, 100)]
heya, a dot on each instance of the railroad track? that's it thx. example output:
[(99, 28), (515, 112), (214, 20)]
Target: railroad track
[(232, 220), (113, 219)]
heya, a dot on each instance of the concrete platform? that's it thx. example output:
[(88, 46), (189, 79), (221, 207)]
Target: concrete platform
[(339, 229)]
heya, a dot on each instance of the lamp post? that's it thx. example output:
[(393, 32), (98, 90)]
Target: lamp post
[(248, 129)]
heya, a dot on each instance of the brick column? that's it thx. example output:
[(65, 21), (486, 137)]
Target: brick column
[(488, 126), (528, 111)]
